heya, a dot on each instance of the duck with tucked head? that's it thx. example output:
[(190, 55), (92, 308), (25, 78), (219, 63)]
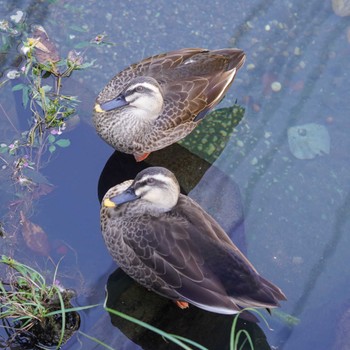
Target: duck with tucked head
[(160, 100), (166, 242)]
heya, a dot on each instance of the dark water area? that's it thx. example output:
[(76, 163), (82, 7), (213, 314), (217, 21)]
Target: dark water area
[(280, 187)]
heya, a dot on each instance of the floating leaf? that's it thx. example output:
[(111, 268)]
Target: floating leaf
[(82, 45), (52, 148), (3, 149), (78, 29), (62, 142), (18, 87)]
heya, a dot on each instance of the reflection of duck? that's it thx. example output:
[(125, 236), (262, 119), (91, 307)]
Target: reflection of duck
[(169, 244), (160, 100)]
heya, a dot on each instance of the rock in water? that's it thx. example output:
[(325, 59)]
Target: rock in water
[(308, 141)]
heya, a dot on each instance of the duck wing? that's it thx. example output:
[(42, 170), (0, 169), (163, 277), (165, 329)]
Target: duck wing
[(187, 256), (197, 83), (153, 66)]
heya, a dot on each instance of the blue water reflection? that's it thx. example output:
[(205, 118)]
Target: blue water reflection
[(295, 210)]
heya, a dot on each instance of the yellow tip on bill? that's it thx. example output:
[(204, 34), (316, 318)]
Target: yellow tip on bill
[(108, 203), (98, 108)]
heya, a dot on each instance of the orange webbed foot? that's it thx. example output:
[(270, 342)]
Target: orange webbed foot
[(141, 157), (182, 304)]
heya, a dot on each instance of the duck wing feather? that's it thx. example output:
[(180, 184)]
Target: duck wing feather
[(187, 256)]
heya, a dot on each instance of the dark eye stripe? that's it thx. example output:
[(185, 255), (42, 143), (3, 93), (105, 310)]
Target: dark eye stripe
[(155, 183), (134, 90)]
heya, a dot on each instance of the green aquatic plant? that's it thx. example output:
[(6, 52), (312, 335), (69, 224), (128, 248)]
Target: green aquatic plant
[(43, 74), (30, 306), (40, 81), (50, 109)]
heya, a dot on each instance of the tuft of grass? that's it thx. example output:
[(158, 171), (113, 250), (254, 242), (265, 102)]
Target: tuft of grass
[(29, 304)]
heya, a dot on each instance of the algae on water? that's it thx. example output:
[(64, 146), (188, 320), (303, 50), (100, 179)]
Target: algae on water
[(210, 137)]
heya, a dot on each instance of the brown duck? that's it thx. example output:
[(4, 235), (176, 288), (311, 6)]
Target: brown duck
[(166, 242), (158, 101)]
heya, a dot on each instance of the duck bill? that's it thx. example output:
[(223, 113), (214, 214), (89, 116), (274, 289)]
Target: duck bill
[(127, 196), (117, 102)]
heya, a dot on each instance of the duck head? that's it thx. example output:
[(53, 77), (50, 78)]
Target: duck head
[(156, 188), (143, 96)]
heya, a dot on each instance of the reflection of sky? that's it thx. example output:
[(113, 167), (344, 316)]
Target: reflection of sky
[(295, 220)]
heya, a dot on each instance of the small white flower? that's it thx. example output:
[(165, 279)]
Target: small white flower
[(25, 49), (17, 17), (13, 74)]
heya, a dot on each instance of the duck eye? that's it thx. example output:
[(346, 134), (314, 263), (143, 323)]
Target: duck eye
[(139, 88), (150, 181)]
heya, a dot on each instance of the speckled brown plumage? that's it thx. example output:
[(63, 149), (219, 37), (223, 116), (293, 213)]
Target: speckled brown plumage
[(191, 82), (170, 245)]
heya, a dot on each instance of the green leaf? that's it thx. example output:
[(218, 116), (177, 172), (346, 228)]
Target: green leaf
[(52, 148), (82, 45), (78, 29), (25, 96), (51, 138), (62, 142), (86, 65), (18, 87), (28, 66), (47, 88)]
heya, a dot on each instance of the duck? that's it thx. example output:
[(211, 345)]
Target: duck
[(166, 242), (158, 101)]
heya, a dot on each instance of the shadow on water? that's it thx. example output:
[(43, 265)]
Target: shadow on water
[(124, 295), (208, 329)]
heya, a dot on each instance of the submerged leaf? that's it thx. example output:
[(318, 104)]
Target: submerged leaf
[(34, 236), (51, 138), (18, 87), (308, 141), (25, 96)]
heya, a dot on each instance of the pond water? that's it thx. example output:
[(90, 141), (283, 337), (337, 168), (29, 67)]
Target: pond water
[(285, 169)]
